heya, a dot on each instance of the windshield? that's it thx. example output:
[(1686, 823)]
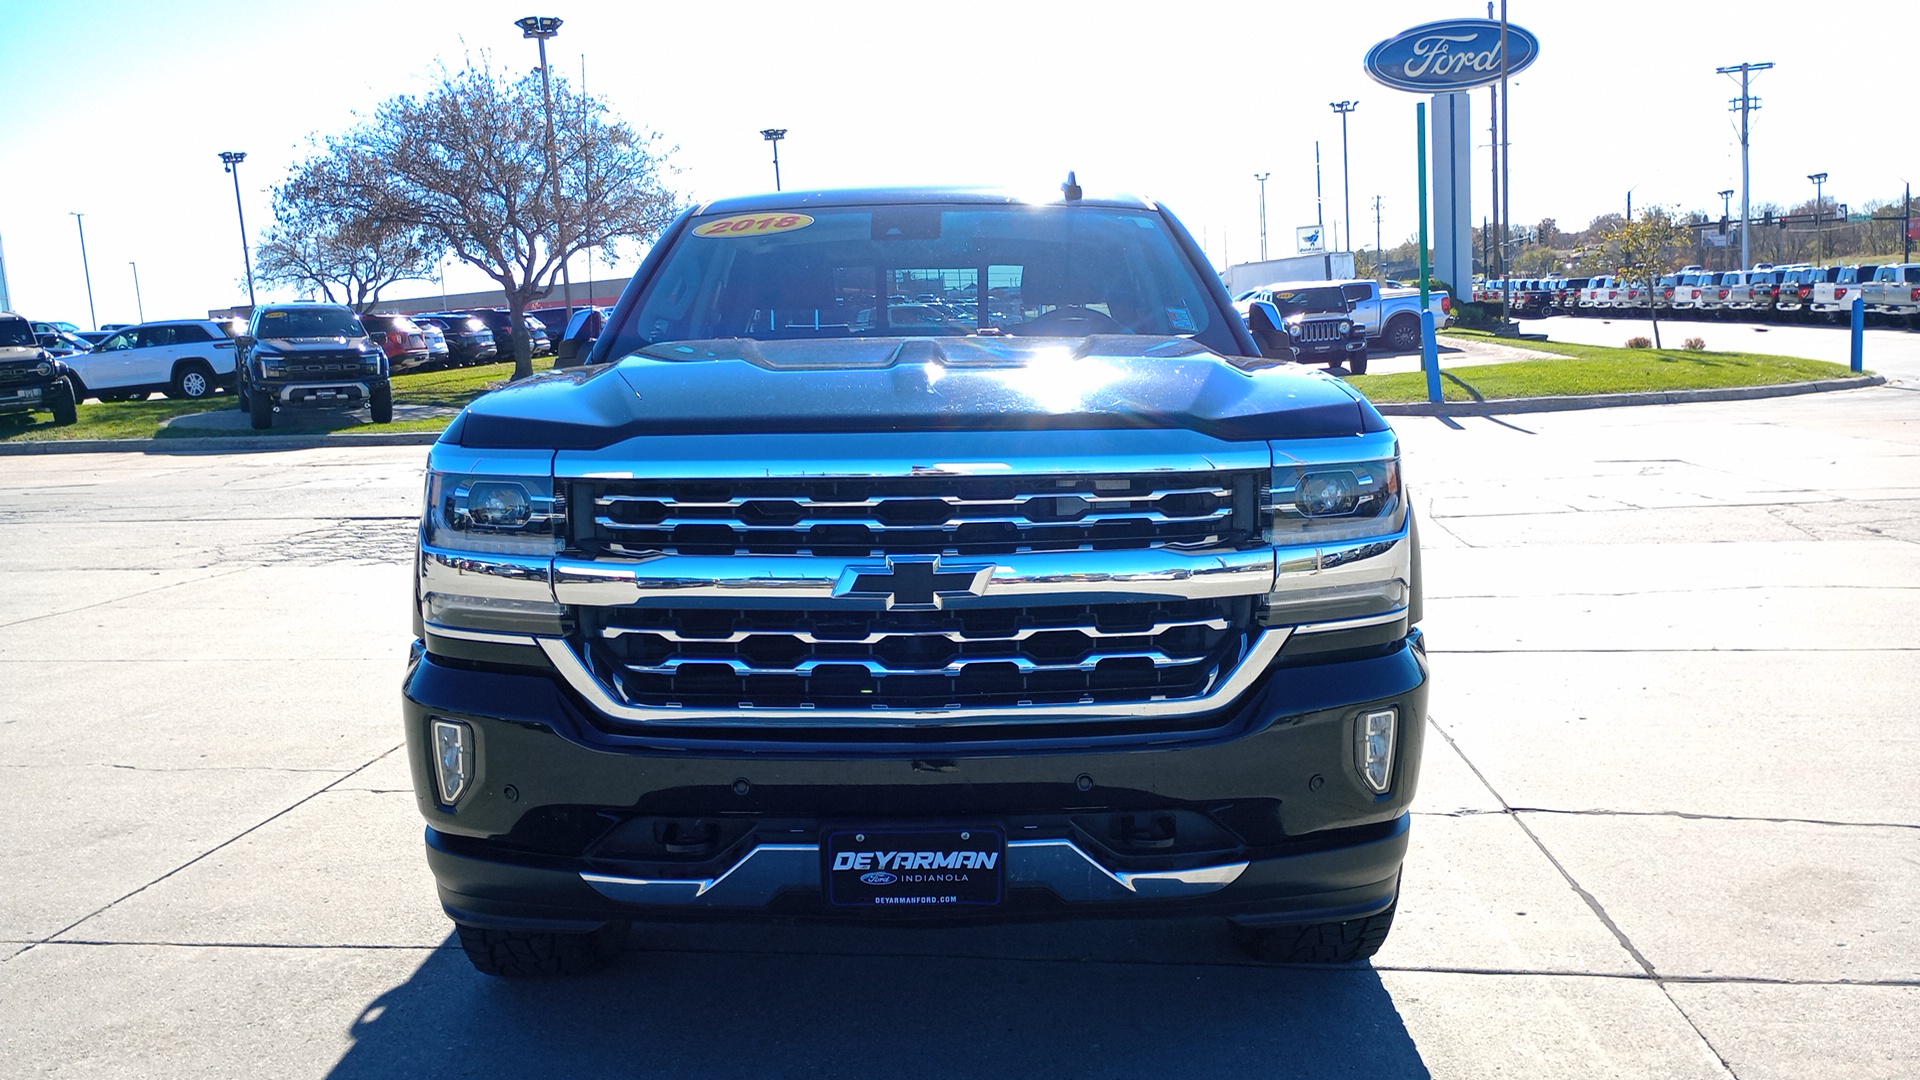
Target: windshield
[(16, 333), (316, 323), (925, 270), (1310, 301)]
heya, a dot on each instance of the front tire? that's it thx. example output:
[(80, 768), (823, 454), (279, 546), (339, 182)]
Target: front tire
[(1318, 943), (260, 411), (64, 411), (1357, 363), (521, 954), (382, 404)]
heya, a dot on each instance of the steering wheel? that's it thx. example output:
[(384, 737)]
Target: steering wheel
[(1072, 322)]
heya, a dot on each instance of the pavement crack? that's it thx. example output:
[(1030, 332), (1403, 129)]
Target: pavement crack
[(1687, 815), (118, 599), (1593, 902), (228, 842)]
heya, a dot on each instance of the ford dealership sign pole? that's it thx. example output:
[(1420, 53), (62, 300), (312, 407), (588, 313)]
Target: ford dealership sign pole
[(1447, 59)]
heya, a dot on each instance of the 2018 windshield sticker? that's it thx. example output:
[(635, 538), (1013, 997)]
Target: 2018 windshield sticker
[(754, 225)]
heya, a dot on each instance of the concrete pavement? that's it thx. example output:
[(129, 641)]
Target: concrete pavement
[(1663, 827)]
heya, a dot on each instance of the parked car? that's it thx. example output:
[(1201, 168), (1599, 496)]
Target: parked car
[(583, 330), (1796, 287), (1311, 322), (542, 340), (191, 358), (499, 322), (1894, 290), (93, 337), (30, 379), (1833, 297), (398, 336), (60, 343), (468, 339), (438, 352), (1599, 294), (1390, 317), (311, 356)]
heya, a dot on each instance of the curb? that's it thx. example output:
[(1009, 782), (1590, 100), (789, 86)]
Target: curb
[(250, 444), (216, 444), (1501, 406)]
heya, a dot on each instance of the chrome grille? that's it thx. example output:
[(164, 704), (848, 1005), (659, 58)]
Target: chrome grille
[(917, 515), (872, 659), (14, 373), (1319, 331), (303, 364)]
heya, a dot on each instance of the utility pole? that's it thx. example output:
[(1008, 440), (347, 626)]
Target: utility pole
[(1319, 214), (79, 219), (138, 304), (1262, 177), (1906, 255), (774, 135), (1744, 105), (1346, 180), (540, 28), (230, 160)]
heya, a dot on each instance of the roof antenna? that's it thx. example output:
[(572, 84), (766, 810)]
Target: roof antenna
[(1071, 188)]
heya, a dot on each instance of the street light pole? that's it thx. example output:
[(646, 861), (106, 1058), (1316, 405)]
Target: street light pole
[(1346, 180), (139, 305), (774, 135), (230, 160), (78, 219), (1819, 226), (1262, 177), (540, 28)]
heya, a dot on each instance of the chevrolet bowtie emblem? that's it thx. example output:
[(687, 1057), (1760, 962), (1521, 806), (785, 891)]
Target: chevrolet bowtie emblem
[(913, 584)]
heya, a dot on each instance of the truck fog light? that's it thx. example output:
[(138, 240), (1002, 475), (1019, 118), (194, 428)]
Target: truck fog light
[(1373, 747), (452, 758)]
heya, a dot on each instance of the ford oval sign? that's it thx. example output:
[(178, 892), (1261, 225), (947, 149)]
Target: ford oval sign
[(1454, 55), (878, 877)]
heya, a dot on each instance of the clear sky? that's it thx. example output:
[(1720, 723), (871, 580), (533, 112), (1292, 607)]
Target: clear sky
[(119, 108)]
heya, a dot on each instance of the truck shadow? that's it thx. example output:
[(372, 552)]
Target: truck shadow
[(1106, 1000)]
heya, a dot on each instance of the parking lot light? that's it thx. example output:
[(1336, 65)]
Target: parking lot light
[(230, 161)]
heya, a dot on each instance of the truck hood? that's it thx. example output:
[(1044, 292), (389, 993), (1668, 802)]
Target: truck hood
[(741, 386), (20, 352)]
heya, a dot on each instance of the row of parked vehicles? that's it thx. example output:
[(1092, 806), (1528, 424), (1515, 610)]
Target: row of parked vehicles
[(1891, 293), (197, 358)]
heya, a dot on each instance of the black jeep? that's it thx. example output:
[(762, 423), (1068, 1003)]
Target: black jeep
[(30, 378)]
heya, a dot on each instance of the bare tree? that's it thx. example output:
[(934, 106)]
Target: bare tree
[(321, 242), (467, 164)]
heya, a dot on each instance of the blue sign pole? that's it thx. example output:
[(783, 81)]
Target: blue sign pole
[(1429, 345), (1859, 332)]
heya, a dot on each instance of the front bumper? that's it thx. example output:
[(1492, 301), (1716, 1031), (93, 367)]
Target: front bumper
[(569, 824)]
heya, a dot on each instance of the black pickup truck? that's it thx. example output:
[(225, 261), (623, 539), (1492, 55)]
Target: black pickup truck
[(916, 555)]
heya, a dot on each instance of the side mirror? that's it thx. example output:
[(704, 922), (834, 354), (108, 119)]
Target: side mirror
[(1269, 331), (48, 341), (244, 341)]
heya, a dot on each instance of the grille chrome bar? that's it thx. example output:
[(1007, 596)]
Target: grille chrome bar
[(951, 635), (875, 667), (573, 668)]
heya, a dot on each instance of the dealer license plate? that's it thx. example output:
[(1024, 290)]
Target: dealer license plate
[(931, 867)]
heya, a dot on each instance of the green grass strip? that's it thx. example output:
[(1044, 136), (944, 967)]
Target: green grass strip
[(1597, 369)]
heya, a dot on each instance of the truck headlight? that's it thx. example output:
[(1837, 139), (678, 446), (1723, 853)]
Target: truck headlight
[(1313, 503), (272, 365), (486, 514)]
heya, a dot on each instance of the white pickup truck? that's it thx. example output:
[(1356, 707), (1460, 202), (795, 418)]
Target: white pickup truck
[(1833, 295), (1894, 290), (1391, 317)]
